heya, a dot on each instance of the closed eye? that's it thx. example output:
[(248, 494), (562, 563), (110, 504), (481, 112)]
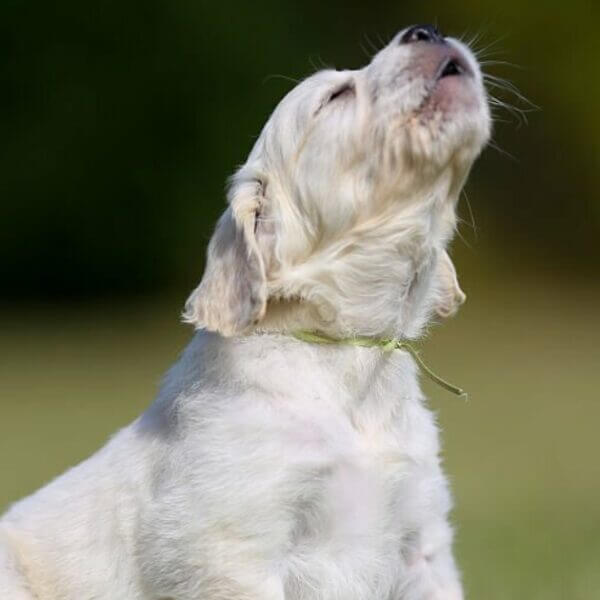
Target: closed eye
[(343, 91), (346, 90)]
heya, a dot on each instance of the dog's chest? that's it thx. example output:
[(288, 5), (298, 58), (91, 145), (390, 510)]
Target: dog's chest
[(351, 534)]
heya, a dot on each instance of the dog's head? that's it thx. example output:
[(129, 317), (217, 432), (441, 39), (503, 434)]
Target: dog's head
[(340, 216)]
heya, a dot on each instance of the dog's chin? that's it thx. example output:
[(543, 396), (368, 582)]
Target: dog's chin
[(449, 121), (453, 97), (452, 114)]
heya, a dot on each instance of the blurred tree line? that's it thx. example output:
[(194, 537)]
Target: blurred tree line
[(121, 120)]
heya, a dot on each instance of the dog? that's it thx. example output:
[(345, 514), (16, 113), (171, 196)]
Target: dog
[(271, 467)]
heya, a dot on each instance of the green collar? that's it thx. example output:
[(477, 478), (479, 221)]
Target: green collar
[(387, 345)]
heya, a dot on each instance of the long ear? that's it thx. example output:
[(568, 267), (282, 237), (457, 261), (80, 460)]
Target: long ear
[(450, 295), (232, 295)]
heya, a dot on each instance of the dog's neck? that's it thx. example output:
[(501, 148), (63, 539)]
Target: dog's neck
[(397, 308), (379, 280), (352, 378)]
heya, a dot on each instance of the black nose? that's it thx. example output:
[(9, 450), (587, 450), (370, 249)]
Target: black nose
[(422, 33)]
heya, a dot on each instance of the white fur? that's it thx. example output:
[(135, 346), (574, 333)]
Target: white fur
[(270, 468)]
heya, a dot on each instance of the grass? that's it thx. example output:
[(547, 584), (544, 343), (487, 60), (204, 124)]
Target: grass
[(522, 452)]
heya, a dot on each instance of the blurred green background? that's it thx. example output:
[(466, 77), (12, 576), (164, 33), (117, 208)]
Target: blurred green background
[(120, 122)]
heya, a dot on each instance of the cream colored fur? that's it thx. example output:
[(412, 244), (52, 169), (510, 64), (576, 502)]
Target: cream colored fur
[(269, 468)]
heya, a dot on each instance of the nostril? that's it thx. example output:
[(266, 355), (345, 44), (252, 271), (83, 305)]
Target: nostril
[(422, 33)]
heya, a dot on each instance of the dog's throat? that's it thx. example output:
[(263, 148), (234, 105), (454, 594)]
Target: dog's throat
[(387, 345)]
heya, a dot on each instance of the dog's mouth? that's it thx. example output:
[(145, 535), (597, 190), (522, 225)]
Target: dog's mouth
[(452, 66), (450, 82)]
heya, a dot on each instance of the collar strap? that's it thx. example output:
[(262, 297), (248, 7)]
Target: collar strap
[(387, 345)]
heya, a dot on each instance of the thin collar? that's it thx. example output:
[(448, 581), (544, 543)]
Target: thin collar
[(386, 344)]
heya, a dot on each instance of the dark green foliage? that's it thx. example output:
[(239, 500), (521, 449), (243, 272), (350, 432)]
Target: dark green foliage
[(120, 122)]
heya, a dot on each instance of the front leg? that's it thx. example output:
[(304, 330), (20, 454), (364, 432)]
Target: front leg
[(431, 570)]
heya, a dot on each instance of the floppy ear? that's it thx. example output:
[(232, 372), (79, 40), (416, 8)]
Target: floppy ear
[(451, 296), (232, 295)]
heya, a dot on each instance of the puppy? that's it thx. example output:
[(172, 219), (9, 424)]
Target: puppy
[(268, 467)]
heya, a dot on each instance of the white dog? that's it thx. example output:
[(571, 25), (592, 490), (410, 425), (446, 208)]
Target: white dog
[(271, 468)]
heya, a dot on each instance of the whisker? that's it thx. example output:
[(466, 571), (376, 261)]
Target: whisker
[(501, 102), (499, 120), (475, 39), (505, 63), (481, 52), (382, 41), (471, 215), (504, 84), (518, 114), (375, 49), (367, 54), (462, 238), (492, 144), (279, 76), (490, 54), (318, 64), (523, 105)]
